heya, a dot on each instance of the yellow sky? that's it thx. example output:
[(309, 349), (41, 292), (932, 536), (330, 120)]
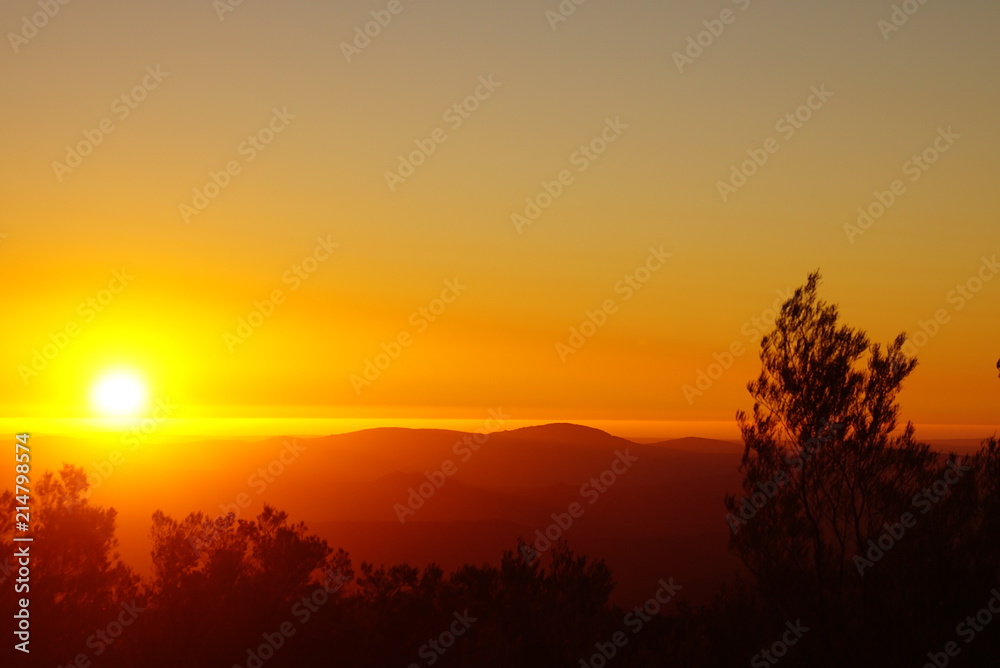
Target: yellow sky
[(619, 142)]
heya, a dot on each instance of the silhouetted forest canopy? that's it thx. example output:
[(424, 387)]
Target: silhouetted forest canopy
[(861, 546)]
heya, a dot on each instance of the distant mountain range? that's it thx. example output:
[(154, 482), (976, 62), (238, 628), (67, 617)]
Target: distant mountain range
[(662, 516)]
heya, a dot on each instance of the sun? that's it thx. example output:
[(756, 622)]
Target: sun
[(119, 394)]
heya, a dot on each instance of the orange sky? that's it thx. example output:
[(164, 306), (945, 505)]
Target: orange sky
[(595, 122)]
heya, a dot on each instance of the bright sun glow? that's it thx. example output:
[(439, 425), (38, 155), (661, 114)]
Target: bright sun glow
[(119, 394)]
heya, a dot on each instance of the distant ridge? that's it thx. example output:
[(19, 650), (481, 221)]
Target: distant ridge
[(566, 433)]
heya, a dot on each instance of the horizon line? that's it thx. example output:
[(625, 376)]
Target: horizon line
[(243, 427)]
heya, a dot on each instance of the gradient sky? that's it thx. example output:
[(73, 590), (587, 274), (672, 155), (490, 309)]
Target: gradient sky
[(656, 185)]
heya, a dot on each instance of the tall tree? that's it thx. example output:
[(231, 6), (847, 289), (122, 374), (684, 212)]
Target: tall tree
[(77, 587), (826, 466)]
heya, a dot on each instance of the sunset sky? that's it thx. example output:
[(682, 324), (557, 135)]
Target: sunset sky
[(111, 260)]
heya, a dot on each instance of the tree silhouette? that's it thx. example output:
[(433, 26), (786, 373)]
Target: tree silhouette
[(525, 614), (220, 586), (78, 585), (222, 583), (829, 522)]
